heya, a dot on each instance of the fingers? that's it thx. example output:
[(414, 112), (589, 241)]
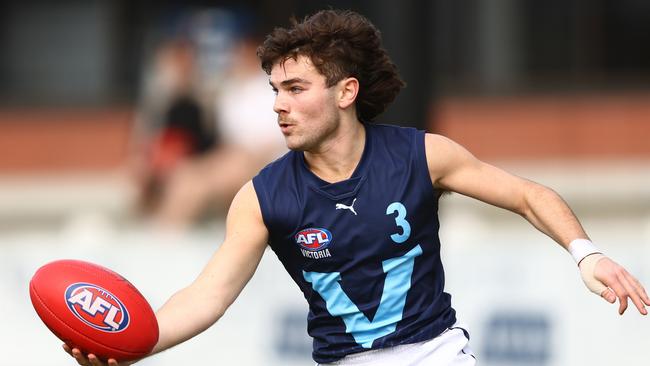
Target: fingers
[(94, 361), (67, 349), (620, 292), (90, 360), (79, 357), (641, 291), (609, 295), (622, 285), (622, 301), (634, 292)]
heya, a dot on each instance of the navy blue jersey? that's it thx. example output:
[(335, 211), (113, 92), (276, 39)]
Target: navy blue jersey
[(364, 251)]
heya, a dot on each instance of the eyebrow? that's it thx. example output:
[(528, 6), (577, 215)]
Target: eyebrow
[(291, 81)]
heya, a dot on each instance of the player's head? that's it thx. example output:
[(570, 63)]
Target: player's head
[(339, 45)]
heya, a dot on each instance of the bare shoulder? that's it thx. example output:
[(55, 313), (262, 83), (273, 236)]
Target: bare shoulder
[(434, 139), (246, 199), (445, 156), (245, 214), (441, 145)]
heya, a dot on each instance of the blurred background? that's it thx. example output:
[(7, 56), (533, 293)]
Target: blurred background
[(127, 126)]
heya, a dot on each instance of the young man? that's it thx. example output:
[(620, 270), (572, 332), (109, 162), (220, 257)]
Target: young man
[(351, 211)]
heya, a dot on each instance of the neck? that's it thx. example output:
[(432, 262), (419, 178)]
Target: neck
[(336, 159)]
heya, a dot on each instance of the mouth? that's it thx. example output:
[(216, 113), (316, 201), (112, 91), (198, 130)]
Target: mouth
[(285, 126)]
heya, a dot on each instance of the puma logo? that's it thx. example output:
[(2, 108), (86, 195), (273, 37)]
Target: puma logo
[(340, 206)]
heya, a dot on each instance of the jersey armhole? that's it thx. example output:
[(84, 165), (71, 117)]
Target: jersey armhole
[(421, 161), (264, 200)]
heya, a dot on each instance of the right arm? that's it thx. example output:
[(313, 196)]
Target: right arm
[(196, 307)]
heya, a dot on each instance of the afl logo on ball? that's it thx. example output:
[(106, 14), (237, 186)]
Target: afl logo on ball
[(97, 307)]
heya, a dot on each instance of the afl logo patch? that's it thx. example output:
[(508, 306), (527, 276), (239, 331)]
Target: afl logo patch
[(97, 307), (313, 239)]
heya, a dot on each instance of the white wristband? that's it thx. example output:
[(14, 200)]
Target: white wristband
[(580, 248)]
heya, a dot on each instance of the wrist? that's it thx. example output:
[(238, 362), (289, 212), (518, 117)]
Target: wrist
[(581, 248)]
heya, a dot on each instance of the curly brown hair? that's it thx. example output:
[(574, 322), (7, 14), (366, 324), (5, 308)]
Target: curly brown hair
[(340, 44)]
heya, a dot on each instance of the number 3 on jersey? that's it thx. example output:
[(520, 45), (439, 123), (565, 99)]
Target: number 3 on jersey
[(393, 298), (400, 221)]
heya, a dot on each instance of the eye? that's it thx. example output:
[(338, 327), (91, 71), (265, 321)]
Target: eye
[(295, 89)]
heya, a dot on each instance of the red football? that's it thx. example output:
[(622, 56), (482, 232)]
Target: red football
[(94, 309)]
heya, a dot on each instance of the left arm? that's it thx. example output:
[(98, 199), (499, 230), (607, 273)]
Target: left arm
[(453, 168)]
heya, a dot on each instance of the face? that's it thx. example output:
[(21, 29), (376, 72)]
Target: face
[(307, 109)]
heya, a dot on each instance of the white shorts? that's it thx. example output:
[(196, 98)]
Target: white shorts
[(451, 348)]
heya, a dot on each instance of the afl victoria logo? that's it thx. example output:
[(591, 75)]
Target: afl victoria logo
[(97, 307), (313, 239)]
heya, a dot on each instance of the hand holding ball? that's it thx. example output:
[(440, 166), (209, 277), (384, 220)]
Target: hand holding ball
[(94, 309)]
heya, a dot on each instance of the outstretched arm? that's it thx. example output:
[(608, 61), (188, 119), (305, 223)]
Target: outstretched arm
[(453, 168), (193, 309), (198, 306)]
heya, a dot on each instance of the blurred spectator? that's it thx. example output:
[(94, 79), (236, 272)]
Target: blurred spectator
[(183, 170), (170, 126), (250, 139)]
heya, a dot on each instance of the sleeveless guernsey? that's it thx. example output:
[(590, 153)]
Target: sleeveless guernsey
[(365, 251)]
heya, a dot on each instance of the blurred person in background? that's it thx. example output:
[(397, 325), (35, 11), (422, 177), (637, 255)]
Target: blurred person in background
[(249, 140), (351, 212), (170, 128), (211, 139)]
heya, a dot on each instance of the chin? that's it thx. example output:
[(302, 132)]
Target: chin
[(294, 143), (296, 147)]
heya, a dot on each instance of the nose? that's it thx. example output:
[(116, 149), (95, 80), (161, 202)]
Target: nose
[(280, 104)]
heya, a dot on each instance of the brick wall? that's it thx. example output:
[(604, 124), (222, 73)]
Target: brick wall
[(61, 140), (550, 127), (593, 127)]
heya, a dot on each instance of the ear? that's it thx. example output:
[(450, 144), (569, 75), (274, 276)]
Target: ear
[(348, 89)]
